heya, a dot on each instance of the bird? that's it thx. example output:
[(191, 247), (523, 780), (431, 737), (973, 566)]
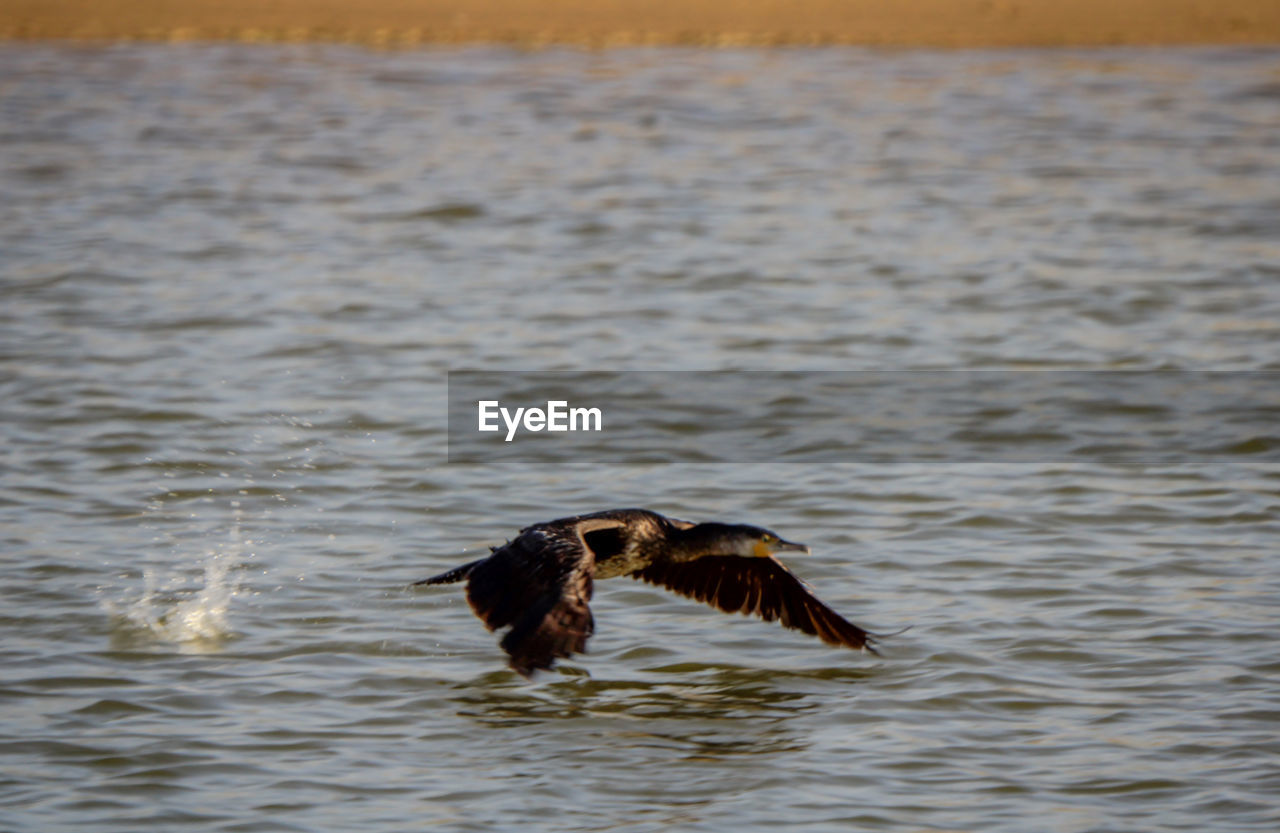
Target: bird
[(539, 584)]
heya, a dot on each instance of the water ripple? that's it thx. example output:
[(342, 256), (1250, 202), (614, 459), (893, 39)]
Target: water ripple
[(235, 278)]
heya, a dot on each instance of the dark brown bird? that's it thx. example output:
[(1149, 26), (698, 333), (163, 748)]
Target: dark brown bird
[(539, 585)]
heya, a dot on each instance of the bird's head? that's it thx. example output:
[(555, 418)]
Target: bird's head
[(742, 540)]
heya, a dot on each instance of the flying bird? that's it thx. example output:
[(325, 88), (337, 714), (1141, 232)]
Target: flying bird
[(539, 584)]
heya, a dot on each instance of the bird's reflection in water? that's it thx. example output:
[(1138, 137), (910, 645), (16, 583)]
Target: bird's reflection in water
[(698, 709)]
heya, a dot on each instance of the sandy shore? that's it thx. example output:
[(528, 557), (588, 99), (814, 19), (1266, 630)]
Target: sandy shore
[(946, 23)]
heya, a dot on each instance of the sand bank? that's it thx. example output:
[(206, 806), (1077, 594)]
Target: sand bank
[(935, 23)]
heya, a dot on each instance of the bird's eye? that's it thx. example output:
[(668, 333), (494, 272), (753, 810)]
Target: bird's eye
[(769, 539)]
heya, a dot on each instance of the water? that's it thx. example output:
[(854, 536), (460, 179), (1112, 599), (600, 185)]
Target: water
[(234, 279)]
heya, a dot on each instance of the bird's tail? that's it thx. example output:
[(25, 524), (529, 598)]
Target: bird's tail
[(450, 576)]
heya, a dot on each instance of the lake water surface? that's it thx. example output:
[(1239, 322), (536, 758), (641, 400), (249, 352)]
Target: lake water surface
[(234, 279)]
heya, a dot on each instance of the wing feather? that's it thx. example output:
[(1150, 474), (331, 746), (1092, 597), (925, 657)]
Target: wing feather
[(762, 587), (539, 585)]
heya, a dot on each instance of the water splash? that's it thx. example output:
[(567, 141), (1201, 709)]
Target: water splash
[(173, 609)]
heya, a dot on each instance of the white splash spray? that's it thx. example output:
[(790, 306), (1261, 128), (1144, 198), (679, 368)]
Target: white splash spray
[(172, 609)]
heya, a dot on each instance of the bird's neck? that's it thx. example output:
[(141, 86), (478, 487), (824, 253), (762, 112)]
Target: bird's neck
[(695, 542)]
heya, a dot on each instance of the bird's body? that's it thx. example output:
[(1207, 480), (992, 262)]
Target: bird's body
[(539, 584)]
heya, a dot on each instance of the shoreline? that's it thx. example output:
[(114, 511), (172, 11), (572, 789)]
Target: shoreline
[(618, 23)]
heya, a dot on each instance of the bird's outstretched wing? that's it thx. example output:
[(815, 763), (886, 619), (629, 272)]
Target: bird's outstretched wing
[(540, 585), (760, 586)]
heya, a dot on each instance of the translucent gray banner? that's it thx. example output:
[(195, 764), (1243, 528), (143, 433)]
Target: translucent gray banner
[(1152, 417)]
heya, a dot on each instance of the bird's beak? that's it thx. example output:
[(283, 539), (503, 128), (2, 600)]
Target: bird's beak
[(787, 546)]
